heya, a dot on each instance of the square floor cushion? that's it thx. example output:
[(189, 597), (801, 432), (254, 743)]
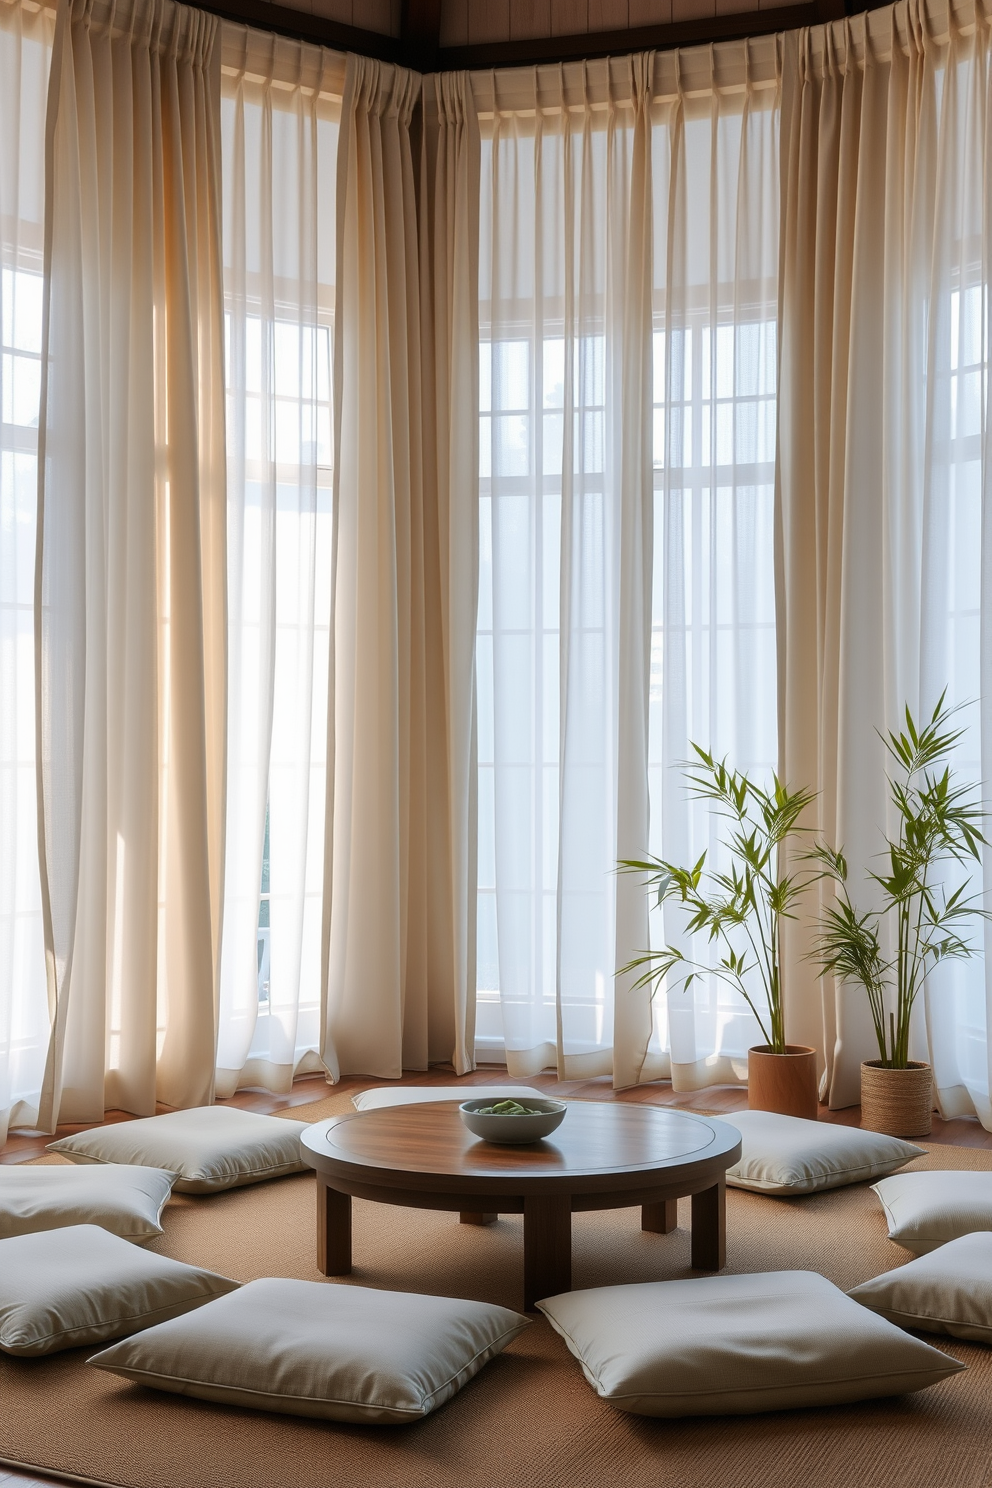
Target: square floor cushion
[(208, 1148), (308, 1348), (737, 1345), (947, 1291), (126, 1200), (82, 1285), (788, 1155), (925, 1210), (412, 1095)]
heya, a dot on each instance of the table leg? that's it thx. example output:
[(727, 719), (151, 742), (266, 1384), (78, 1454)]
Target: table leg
[(661, 1218), (709, 1228), (333, 1230), (547, 1247), (473, 1217)]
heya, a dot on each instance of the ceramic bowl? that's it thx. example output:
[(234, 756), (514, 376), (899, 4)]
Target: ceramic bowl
[(544, 1116)]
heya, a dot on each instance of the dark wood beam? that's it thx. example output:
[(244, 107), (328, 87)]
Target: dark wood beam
[(420, 31), (302, 26), (637, 39), (418, 43)]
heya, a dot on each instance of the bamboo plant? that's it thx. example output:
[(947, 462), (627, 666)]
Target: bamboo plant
[(918, 921), (740, 910)]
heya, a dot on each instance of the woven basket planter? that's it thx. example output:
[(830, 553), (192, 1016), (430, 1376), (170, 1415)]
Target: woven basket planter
[(785, 1083), (898, 1102)]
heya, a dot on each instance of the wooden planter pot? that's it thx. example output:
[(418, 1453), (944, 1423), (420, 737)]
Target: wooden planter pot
[(898, 1102), (785, 1083)]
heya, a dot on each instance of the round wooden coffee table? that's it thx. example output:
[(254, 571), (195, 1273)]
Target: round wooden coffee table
[(603, 1156)]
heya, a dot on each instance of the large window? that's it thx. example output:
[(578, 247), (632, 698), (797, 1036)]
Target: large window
[(555, 494)]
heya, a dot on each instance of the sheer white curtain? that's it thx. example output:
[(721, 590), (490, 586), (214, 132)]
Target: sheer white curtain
[(628, 287), (280, 108), (25, 54), (713, 680), (885, 581), (565, 297), (131, 582)]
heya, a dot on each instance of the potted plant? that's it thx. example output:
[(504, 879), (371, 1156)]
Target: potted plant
[(741, 910), (916, 920)]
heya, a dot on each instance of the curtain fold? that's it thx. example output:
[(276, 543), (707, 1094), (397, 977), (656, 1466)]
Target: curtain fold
[(279, 122), (449, 255), (397, 928), (883, 566), (25, 55), (130, 604)]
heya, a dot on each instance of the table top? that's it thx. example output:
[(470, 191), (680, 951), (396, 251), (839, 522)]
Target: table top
[(599, 1146)]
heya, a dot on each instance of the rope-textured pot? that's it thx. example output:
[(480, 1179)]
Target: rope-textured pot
[(785, 1083), (898, 1102)]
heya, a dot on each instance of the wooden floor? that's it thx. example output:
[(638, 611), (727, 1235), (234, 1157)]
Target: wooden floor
[(965, 1131)]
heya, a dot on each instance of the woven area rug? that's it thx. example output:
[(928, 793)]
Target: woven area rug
[(528, 1420)]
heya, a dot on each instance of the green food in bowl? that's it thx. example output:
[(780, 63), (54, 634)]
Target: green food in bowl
[(508, 1108)]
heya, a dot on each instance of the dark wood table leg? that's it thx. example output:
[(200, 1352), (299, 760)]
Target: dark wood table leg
[(547, 1247), (709, 1228), (333, 1230), (661, 1218), (469, 1216)]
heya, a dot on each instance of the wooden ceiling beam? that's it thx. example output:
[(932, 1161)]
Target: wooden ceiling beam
[(590, 44), (284, 20), (418, 45)]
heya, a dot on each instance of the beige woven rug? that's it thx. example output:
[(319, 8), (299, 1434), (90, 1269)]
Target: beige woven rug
[(528, 1420)]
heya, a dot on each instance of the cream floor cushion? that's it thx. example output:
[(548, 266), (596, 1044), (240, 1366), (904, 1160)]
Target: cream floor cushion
[(947, 1291), (82, 1285), (927, 1209), (208, 1148), (788, 1155), (121, 1198), (412, 1095), (309, 1348), (737, 1345)]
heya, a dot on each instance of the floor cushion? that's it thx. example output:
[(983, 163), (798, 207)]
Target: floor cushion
[(82, 1285), (737, 1345), (925, 1210), (947, 1291), (309, 1348), (788, 1155), (413, 1095), (124, 1199), (208, 1148)]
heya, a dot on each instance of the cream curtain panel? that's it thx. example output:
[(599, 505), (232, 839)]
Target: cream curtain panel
[(25, 54), (628, 291), (398, 943), (884, 570), (279, 115), (131, 568)]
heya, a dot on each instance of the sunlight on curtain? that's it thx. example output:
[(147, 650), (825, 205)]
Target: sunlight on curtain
[(131, 586), (279, 119), (25, 54), (713, 660), (885, 462), (564, 690), (565, 519)]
